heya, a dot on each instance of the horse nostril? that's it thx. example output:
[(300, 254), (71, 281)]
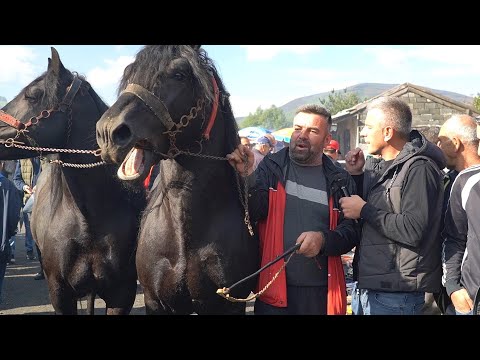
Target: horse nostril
[(121, 135)]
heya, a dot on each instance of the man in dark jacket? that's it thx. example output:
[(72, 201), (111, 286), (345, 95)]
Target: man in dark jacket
[(25, 179), (294, 198), (398, 259), (10, 204)]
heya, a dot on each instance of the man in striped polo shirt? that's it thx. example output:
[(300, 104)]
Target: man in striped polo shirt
[(461, 234)]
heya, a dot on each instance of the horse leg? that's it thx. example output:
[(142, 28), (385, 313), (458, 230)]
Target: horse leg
[(153, 306), (178, 304), (119, 300), (62, 298)]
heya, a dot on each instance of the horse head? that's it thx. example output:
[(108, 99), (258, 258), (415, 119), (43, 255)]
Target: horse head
[(168, 100), (41, 114)]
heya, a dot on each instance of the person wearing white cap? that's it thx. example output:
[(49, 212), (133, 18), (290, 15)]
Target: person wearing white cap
[(262, 147)]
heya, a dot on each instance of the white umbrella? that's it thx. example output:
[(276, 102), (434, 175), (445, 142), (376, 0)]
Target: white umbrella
[(253, 132)]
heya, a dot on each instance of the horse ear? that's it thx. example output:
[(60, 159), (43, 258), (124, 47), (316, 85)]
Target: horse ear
[(55, 64), (196, 47)]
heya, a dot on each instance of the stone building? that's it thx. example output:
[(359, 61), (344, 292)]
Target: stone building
[(429, 109)]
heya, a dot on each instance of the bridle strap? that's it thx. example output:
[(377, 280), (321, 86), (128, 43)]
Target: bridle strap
[(153, 103), (213, 115), (63, 106), (10, 120), (71, 92)]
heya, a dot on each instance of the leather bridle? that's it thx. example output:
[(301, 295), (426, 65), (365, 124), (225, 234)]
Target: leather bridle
[(64, 106)]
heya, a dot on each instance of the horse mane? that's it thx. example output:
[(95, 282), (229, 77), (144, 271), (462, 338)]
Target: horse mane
[(153, 60), (101, 105), (231, 127), (51, 85)]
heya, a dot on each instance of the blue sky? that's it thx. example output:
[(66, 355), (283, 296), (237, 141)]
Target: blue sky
[(265, 75)]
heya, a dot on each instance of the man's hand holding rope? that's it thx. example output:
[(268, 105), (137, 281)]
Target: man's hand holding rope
[(237, 160), (312, 242)]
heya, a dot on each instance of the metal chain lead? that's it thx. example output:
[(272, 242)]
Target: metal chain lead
[(243, 200), (78, 166), (224, 292), (12, 143)]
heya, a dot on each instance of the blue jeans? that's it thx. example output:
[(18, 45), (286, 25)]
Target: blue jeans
[(370, 302), (461, 313), (28, 233)]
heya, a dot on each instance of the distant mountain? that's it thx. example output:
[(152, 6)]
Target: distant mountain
[(364, 90), (3, 101)]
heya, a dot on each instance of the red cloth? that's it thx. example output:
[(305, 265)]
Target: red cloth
[(270, 232), (271, 246), (337, 291), (146, 182)]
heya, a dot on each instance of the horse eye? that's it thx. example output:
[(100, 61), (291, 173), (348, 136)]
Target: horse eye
[(179, 76), (30, 99), (32, 96)]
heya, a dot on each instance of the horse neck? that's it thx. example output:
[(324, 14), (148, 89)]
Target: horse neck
[(85, 184), (91, 188), (212, 174), (91, 180), (82, 136), (212, 153)]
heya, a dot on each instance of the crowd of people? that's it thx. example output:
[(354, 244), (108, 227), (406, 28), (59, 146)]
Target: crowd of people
[(18, 184), (405, 206)]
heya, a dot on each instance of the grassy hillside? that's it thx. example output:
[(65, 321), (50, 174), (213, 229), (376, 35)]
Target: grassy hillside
[(364, 90)]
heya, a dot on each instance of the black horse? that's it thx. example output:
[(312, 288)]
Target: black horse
[(84, 220), (193, 238)]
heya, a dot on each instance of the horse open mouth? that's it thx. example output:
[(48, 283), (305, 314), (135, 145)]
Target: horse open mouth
[(136, 164)]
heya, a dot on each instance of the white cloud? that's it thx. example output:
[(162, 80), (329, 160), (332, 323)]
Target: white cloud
[(448, 54), (17, 64), (389, 57), (455, 72), (242, 105), (455, 55), (268, 52), (315, 80), (105, 79)]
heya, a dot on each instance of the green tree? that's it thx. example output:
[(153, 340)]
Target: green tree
[(338, 101), (476, 102), (273, 119), (252, 119)]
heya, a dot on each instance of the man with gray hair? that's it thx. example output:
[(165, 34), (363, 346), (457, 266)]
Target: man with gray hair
[(261, 148), (398, 259), (461, 247)]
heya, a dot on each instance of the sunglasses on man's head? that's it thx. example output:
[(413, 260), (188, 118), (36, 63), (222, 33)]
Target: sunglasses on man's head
[(330, 151)]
